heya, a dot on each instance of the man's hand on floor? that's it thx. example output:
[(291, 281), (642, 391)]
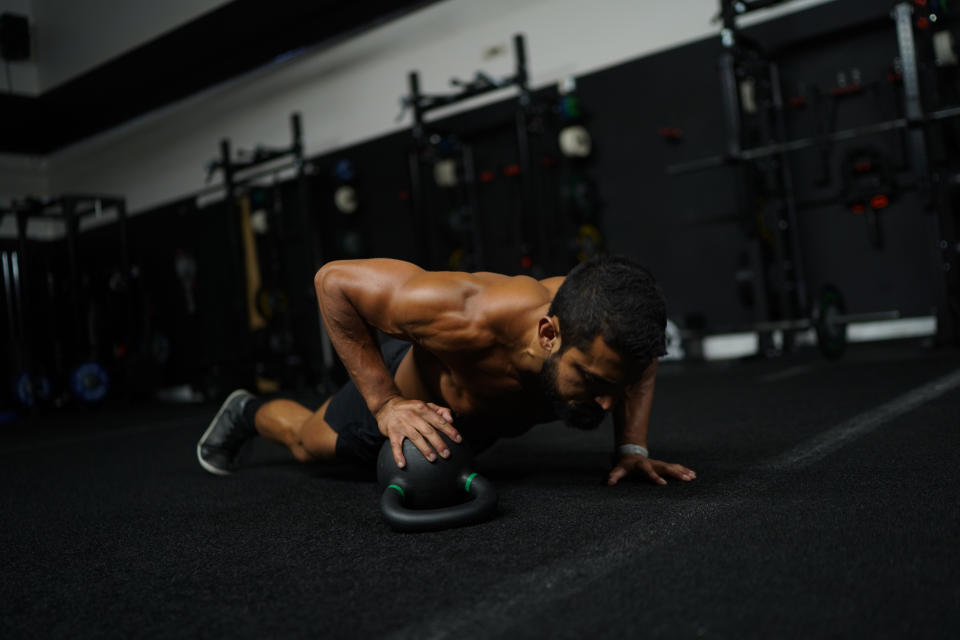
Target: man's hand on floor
[(650, 469)]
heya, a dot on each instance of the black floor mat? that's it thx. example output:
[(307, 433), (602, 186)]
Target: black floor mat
[(111, 529)]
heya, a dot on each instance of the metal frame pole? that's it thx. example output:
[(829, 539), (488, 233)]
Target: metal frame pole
[(529, 210), (72, 223), (417, 190), (21, 290), (912, 104), (796, 268)]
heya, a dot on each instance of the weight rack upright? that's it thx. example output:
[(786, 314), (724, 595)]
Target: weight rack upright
[(421, 104), (932, 185), (267, 161), (71, 209)]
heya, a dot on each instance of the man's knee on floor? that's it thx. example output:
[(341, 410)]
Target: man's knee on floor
[(318, 441)]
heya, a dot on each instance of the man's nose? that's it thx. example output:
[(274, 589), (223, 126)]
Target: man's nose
[(605, 402)]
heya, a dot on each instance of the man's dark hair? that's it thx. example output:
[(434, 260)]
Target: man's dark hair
[(615, 297)]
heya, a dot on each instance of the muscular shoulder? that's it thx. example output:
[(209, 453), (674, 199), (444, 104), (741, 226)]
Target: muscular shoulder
[(457, 311), (447, 310), (509, 304)]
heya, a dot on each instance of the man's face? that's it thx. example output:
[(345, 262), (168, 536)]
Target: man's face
[(583, 385)]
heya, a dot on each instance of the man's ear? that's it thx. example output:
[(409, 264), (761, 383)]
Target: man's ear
[(548, 333)]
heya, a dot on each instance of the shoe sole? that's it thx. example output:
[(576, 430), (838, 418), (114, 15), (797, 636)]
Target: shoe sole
[(203, 463)]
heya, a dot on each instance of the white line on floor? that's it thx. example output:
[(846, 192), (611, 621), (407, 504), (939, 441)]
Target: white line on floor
[(825, 443)]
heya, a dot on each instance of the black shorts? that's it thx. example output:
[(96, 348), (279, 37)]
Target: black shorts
[(358, 436)]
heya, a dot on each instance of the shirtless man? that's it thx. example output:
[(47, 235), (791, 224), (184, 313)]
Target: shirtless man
[(476, 356)]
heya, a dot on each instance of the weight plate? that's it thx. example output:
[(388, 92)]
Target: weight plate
[(350, 243), (160, 348), (674, 342), (575, 142), (345, 199), (588, 242), (445, 173), (90, 382), (344, 170), (29, 389), (831, 331), (271, 303), (456, 259)]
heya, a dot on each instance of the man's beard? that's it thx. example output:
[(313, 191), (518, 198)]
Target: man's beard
[(579, 415)]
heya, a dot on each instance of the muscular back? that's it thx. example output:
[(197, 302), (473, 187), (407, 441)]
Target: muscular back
[(442, 311), (465, 326)]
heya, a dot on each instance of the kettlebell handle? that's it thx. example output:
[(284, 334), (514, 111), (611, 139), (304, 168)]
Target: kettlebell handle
[(400, 518)]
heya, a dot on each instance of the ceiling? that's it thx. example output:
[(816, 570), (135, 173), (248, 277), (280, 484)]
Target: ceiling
[(226, 42)]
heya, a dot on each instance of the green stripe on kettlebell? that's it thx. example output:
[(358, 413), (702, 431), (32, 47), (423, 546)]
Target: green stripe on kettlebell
[(393, 486), (469, 480)]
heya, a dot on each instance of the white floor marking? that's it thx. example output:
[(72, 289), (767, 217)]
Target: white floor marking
[(825, 443)]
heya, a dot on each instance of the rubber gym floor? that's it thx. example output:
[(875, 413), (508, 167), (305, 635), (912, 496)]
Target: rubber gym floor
[(826, 505)]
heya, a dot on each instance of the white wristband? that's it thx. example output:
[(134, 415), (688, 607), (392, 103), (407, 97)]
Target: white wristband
[(633, 449)]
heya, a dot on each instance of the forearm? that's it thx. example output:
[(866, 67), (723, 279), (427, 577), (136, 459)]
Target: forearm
[(631, 422), (631, 417), (355, 340)]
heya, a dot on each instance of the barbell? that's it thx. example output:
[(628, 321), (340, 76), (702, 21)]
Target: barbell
[(828, 318)]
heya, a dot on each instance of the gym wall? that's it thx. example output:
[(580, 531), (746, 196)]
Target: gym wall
[(350, 92), (20, 174), (694, 229)]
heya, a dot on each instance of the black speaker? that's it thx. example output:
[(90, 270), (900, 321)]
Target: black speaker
[(14, 37)]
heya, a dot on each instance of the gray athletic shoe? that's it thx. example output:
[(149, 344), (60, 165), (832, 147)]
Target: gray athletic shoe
[(220, 444)]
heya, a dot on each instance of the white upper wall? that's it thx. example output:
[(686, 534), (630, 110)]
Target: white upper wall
[(23, 175), (74, 37), (350, 92)]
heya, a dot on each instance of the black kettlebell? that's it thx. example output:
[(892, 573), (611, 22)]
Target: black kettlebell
[(427, 496)]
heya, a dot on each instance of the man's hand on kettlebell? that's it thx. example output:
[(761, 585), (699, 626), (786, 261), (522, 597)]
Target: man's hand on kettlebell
[(419, 422)]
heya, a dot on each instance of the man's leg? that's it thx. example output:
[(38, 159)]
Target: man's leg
[(243, 416), (304, 432)]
